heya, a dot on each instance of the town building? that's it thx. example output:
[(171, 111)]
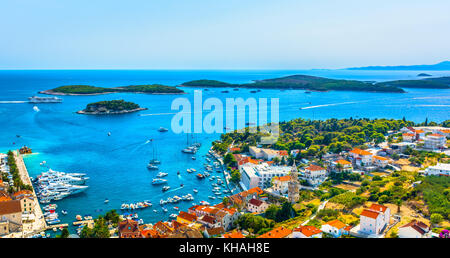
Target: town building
[(375, 219), (341, 165), (280, 184), (257, 206), (336, 228), (306, 232), (26, 199), (10, 217), (260, 175), (414, 229), (214, 232), (315, 175), (186, 218), (434, 141), (444, 132), (441, 169), (293, 185), (380, 162), (129, 229), (408, 137), (361, 157)]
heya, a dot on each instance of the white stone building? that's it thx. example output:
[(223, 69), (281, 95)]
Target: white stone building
[(439, 169)]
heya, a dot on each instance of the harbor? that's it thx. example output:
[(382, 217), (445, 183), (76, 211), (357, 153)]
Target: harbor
[(115, 157)]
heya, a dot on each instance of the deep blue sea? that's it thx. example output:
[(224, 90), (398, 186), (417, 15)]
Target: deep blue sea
[(116, 164)]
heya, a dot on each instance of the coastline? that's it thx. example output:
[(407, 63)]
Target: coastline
[(83, 112), (50, 92), (39, 223), (277, 88)]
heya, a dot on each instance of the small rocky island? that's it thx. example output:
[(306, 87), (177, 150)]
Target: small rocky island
[(110, 107)]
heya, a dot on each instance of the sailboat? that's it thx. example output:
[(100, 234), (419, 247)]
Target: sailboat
[(190, 149), (154, 161)]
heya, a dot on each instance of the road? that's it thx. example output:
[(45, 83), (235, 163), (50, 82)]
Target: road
[(321, 206)]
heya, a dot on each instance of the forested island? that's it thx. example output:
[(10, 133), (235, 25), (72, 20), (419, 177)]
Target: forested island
[(110, 107), (315, 83), (93, 90)]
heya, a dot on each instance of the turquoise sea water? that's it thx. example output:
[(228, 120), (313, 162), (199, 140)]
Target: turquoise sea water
[(116, 164)]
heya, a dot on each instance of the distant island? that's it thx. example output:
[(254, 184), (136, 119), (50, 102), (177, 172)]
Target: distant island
[(442, 66), (314, 83), (77, 90), (424, 75), (110, 107)]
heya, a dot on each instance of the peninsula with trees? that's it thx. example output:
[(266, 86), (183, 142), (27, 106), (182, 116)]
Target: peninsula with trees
[(77, 90), (111, 107), (314, 83)]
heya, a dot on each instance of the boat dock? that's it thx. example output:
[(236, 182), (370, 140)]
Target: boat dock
[(83, 222), (65, 225)]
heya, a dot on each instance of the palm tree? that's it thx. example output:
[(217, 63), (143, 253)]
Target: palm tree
[(399, 205)]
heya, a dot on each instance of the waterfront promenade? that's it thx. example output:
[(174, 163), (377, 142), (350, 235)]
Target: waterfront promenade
[(39, 224)]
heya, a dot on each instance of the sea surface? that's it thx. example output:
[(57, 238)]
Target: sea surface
[(116, 164)]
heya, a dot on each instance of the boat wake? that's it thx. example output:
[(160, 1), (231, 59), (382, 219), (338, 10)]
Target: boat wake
[(12, 102), (332, 104)]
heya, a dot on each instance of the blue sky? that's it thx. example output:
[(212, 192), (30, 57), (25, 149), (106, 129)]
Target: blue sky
[(231, 34)]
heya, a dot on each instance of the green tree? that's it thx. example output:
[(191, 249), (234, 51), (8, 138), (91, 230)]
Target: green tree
[(64, 233), (436, 218)]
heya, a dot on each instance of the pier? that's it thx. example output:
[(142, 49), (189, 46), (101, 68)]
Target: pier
[(39, 223), (65, 225), (84, 222)]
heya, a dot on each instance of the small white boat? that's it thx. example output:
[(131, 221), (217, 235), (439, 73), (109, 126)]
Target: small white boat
[(195, 190)]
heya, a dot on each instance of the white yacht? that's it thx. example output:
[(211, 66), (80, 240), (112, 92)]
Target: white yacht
[(36, 99)]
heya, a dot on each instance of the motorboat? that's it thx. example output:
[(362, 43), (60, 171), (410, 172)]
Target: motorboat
[(158, 181), (162, 129), (162, 174), (152, 167)]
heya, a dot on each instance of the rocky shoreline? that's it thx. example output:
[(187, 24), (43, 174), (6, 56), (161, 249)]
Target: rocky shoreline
[(50, 92)]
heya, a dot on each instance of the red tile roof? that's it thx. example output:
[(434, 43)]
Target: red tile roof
[(336, 223), (282, 178), (256, 190), (308, 230), (418, 226), (283, 153), (360, 152), (208, 219), (369, 213), (343, 162), (378, 207), (279, 232), (129, 226), (255, 202), (187, 216), (379, 158), (313, 167), (234, 234), (9, 207)]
